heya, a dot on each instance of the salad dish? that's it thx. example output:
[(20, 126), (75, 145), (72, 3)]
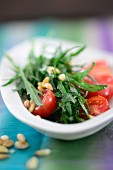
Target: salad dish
[(55, 83)]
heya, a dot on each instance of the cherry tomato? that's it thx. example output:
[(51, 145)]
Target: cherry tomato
[(101, 63), (97, 105), (107, 92), (100, 68), (49, 105)]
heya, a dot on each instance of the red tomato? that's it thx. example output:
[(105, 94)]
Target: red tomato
[(97, 105), (101, 68), (100, 71), (49, 105), (107, 92), (101, 63)]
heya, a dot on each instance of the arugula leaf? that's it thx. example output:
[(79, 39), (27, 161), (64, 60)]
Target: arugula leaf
[(66, 96), (80, 75), (82, 102), (30, 89), (12, 62), (88, 87), (63, 55), (78, 52), (11, 80)]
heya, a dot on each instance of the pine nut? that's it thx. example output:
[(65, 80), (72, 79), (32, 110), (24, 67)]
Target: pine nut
[(32, 101), (39, 83), (3, 156), (1, 141), (70, 63), (48, 86), (8, 143), (5, 137), (62, 77), (32, 107), (3, 149), (27, 104), (52, 70), (40, 88), (20, 145), (21, 137), (32, 163), (43, 152), (46, 80)]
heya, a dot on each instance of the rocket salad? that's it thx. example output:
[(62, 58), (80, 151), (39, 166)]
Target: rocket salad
[(57, 90)]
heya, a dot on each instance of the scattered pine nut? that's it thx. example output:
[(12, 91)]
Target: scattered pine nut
[(8, 143), (27, 104), (32, 163), (1, 141), (5, 137), (62, 77), (21, 137), (3, 156), (43, 152), (20, 145), (3, 149)]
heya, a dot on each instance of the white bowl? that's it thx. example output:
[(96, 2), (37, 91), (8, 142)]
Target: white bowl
[(19, 54)]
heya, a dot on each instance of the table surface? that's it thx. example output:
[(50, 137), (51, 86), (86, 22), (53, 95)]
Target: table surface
[(91, 153)]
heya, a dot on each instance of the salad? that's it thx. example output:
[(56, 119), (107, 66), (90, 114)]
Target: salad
[(61, 91)]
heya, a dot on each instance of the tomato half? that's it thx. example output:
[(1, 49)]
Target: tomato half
[(49, 105), (97, 105)]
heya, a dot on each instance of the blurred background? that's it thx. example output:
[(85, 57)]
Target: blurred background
[(27, 9), (89, 22)]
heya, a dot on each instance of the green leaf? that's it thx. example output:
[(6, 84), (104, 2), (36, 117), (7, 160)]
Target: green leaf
[(12, 62), (68, 107), (30, 89), (11, 80), (63, 55), (79, 51), (82, 102), (80, 75), (78, 119), (66, 96), (88, 87)]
